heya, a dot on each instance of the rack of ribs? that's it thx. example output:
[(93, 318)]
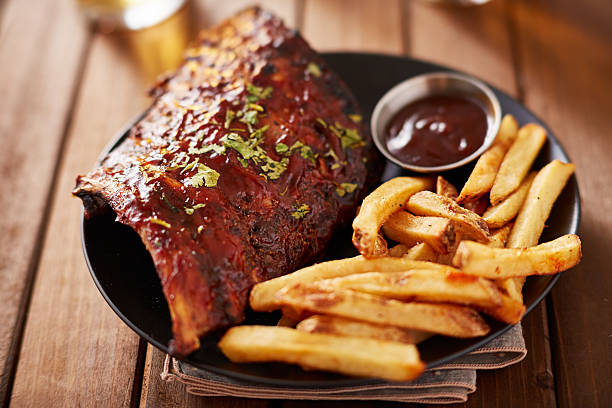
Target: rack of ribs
[(252, 154)]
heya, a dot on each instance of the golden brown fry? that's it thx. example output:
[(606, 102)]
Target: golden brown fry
[(379, 205), (545, 259), (295, 314), (544, 190), (511, 310), (409, 230), (482, 177), (500, 236), (380, 247), (530, 221), (450, 320), (517, 161), (262, 295), (441, 286), (468, 223), (347, 355), (422, 252), (503, 212), (446, 189), (340, 326), (398, 251)]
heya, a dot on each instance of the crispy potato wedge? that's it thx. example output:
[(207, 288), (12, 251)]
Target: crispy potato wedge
[(445, 188), (399, 250), (348, 355), (545, 259), (517, 162), (499, 236), (262, 296), (409, 230), (379, 205), (450, 320), (513, 287), (468, 223), (482, 177), (511, 310), (544, 190), (424, 285), (340, 326), (422, 252), (477, 205), (498, 215)]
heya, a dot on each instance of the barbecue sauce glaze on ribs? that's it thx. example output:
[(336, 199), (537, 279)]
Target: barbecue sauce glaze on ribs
[(251, 156)]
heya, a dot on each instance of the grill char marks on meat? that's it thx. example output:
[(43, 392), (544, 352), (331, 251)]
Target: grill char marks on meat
[(251, 156)]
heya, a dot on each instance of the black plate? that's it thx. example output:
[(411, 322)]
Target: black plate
[(124, 273)]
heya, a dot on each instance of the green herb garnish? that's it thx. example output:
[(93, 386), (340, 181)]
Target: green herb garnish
[(281, 148), (345, 188), (229, 116), (313, 69), (256, 93), (207, 148), (307, 153), (159, 222), (348, 137), (190, 211), (300, 210), (169, 204), (355, 118), (204, 176)]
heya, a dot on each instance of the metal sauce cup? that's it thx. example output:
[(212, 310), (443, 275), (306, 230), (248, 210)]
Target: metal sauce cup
[(422, 86)]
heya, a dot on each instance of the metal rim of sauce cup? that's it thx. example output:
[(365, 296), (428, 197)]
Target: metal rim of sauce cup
[(422, 86)]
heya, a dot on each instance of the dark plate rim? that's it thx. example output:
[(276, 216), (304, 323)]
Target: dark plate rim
[(348, 381)]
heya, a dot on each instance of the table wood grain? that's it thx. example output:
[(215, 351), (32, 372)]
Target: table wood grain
[(67, 90)]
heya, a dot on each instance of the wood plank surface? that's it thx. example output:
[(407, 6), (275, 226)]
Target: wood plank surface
[(41, 49), (76, 351), (478, 40), (353, 25), (565, 62)]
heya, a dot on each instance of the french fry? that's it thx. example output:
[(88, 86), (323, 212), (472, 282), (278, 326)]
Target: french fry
[(286, 321), (544, 190), (408, 229), (398, 251), (446, 189), (423, 285), (422, 252), (340, 326), (347, 355), (517, 162), (262, 295), (545, 259), (503, 212), (379, 205), (482, 177), (499, 236), (511, 310), (450, 320), (477, 205), (468, 223), (530, 221)]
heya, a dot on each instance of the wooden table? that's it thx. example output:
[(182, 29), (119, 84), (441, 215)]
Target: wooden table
[(67, 90)]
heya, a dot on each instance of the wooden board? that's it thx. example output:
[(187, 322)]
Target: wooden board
[(565, 65), (76, 351), (41, 50)]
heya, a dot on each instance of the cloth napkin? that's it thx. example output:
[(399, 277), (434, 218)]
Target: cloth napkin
[(449, 384)]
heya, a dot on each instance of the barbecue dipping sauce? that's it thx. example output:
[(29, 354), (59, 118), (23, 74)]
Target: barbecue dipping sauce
[(436, 130)]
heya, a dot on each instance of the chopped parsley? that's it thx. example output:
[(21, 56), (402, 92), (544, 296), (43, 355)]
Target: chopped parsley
[(207, 148), (204, 176), (229, 116), (256, 107), (281, 148), (190, 166), (345, 188), (191, 210), (256, 93), (313, 69), (169, 204), (348, 137), (159, 222), (300, 210), (200, 228), (322, 122), (250, 118), (250, 150), (355, 118), (307, 153)]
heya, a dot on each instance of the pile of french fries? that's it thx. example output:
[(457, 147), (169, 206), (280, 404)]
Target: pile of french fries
[(459, 254)]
